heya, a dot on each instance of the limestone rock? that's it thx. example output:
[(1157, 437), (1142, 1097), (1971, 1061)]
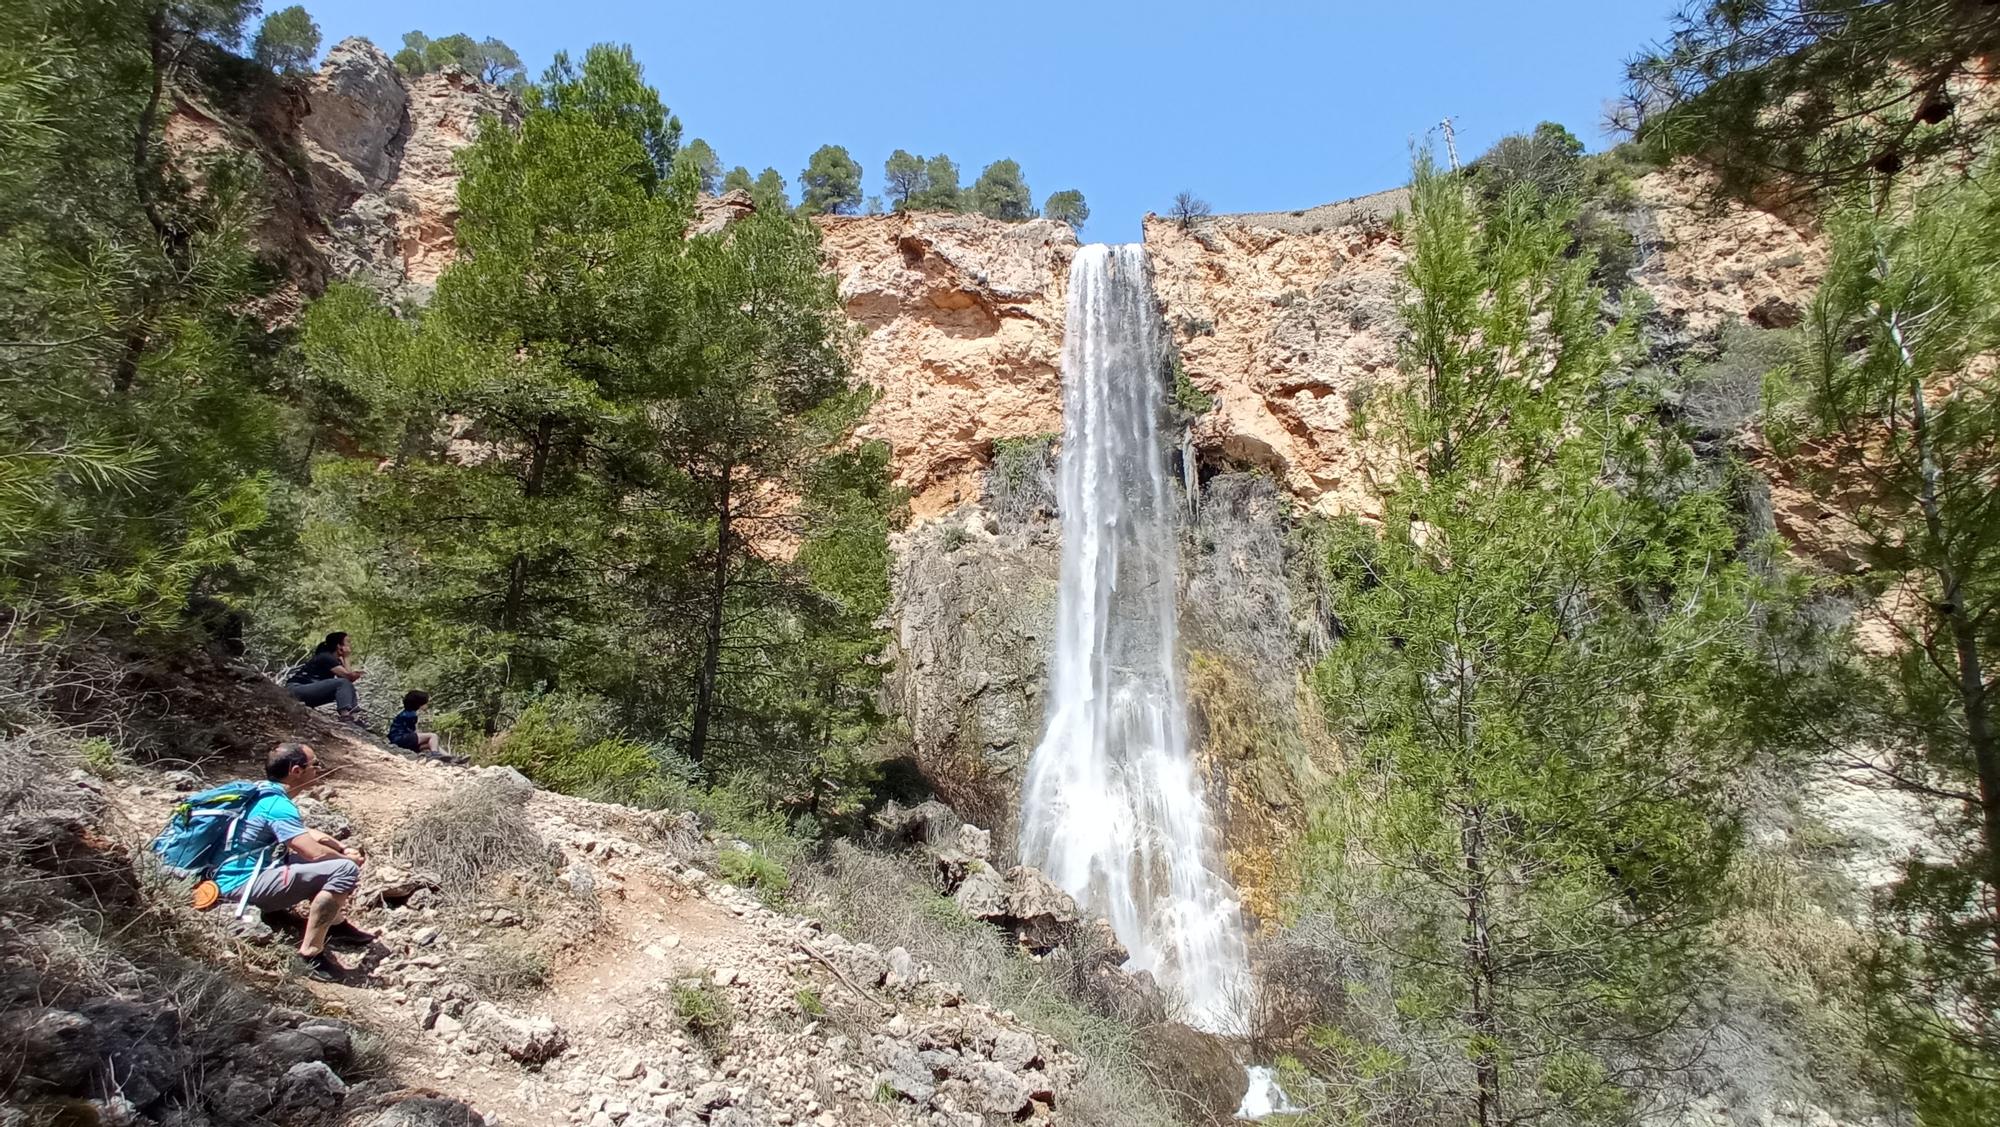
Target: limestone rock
[(530, 1041), (975, 842), (715, 213), (1041, 914), (983, 896)]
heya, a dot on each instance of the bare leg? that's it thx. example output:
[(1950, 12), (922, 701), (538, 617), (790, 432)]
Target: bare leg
[(427, 742), (327, 907)]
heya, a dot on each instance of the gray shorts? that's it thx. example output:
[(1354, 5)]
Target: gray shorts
[(282, 886)]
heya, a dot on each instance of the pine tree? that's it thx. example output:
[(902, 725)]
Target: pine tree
[(1891, 402), (1000, 193), (138, 428), (831, 183), (1540, 667), (940, 191), (738, 180), (706, 167), (1815, 96), (769, 193), (1067, 207), (287, 40), (903, 178), (610, 87)]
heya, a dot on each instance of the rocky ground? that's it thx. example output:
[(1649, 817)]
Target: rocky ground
[(597, 973)]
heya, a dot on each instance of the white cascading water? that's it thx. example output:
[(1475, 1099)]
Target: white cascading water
[(1114, 810)]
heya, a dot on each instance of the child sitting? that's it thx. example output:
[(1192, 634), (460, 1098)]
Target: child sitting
[(403, 729)]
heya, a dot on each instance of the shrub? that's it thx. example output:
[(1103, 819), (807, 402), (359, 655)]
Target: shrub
[(570, 743), (747, 868), (508, 970), (704, 1013), (1188, 399), (1189, 209), (472, 834), (1021, 483)]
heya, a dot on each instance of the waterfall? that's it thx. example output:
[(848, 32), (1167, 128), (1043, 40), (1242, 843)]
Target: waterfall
[(1114, 810)]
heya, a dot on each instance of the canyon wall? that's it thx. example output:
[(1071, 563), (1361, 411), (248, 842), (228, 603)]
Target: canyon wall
[(1285, 322)]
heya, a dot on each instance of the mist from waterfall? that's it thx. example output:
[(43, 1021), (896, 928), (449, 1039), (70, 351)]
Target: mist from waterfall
[(1114, 810)]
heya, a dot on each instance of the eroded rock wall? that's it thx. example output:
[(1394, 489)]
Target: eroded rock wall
[(962, 323)]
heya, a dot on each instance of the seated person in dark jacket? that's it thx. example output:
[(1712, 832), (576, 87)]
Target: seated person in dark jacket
[(403, 729), (325, 678)]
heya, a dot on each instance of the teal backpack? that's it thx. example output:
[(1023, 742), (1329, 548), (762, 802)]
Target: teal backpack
[(204, 827)]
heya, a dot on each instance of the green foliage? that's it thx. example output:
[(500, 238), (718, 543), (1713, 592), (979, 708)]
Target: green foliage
[(1188, 399), (704, 1013), (904, 178), (768, 192), (1548, 162), (737, 180), (1000, 193), (1891, 376), (286, 41), (702, 163), (487, 59), (138, 429), (1813, 97), (663, 513), (574, 745), (610, 90), (1541, 672), (747, 868), (809, 1003), (831, 183), (1067, 206), (940, 191)]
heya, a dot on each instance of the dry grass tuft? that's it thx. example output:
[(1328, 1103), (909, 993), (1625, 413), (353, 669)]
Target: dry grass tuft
[(471, 836)]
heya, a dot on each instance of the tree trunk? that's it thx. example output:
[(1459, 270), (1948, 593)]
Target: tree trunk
[(1479, 970), (515, 603), (1965, 644), (711, 657)]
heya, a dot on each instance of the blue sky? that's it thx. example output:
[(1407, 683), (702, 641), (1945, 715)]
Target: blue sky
[(1257, 105)]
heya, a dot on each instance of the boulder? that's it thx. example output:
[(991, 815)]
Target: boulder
[(531, 1041), (907, 1076), (389, 886), (927, 821), (358, 106), (975, 842), (999, 1090), (1041, 914), (1015, 1050), (309, 1092), (983, 896)]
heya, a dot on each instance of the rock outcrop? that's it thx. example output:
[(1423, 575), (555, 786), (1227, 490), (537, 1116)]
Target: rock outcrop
[(383, 152), (963, 323)]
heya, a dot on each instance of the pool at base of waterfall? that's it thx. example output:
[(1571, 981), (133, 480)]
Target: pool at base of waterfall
[(1263, 1097)]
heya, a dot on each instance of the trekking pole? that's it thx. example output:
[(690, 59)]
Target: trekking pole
[(251, 884)]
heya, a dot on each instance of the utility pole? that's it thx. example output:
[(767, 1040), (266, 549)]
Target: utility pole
[(1450, 144)]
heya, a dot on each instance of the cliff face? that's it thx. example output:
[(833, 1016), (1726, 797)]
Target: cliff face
[(359, 169), (382, 153), (963, 324)]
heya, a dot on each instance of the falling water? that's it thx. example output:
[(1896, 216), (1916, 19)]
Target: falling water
[(1114, 810)]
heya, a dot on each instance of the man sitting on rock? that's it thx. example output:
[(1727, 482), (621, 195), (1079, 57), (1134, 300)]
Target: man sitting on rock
[(283, 863)]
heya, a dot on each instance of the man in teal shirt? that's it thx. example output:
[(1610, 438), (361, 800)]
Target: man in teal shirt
[(282, 862)]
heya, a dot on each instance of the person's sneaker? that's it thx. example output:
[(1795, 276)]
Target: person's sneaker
[(354, 717), (322, 967), (347, 934)]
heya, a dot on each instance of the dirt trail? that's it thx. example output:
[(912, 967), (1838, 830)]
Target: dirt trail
[(553, 994)]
